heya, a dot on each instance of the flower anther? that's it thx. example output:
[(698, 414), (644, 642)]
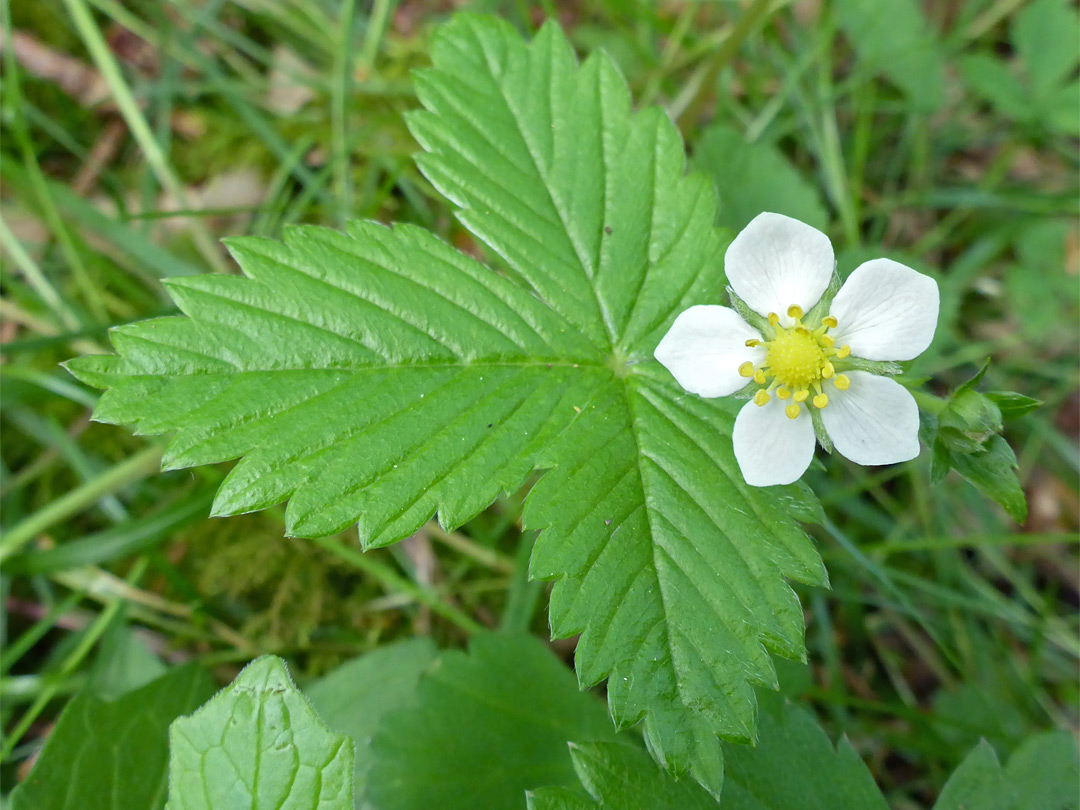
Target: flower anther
[(797, 359), (803, 367)]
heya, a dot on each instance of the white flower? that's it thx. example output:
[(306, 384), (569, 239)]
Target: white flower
[(802, 363)]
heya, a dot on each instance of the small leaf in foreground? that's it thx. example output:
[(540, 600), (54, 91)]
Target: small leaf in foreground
[(113, 755), (967, 438), (354, 697), (258, 743), (1042, 774), (486, 726)]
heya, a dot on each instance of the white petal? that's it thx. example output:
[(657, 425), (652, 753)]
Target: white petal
[(705, 347), (777, 261), (886, 311), (770, 448), (876, 421)]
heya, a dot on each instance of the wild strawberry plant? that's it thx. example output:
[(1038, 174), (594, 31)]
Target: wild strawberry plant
[(377, 377)]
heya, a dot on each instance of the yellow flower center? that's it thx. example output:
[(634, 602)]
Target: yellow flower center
[(797, 359)]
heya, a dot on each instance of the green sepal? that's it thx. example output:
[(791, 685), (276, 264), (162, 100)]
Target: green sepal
[(883, 368), (1013, 405), (819, 430), (756, 320), (824, 304)]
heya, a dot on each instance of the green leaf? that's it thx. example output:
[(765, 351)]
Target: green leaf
[(967, 438), (124, 663), (1039, 287), (486, 726), (795, 767), (993, 473), (1045, 36), (755, 177), (1042, 774), (900, 44), (112, 755), (991, 78), (258, 743), (381, 377), (354, 697), (617, 775)]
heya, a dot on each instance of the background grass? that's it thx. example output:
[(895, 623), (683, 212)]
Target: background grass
[(137, 134)]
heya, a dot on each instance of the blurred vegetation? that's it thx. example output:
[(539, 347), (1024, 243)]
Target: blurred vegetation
[(942, 134)]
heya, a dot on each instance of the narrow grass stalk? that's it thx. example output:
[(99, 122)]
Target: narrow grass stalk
[(38, 182), (463, 545), (138, 466), (140, 129), (89, 639), (339, 109), (394, 581), (42, 286)]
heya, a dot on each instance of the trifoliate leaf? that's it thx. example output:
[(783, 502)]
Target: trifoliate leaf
[(258, 743), (381, 377), (755, 177), (621, 777), (113, 755), (486, 726), (1043, 91), (1044, 35), (1042, 774), (354, 697), (900, 44)]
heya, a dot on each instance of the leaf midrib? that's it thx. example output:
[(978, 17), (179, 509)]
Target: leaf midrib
[(638, 456), (592, 364), (609, 330)]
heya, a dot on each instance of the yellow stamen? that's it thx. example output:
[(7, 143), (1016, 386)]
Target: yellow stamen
[(797, 359), (794, 356)]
